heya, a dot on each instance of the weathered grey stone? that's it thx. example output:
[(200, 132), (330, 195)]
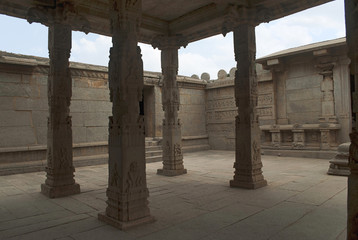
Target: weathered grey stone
[(23, 104), (12, 136), (39, 118), (222, 74), (7, 103), (305, 82), (96, 134), (10, 77), (195, 76), (205, 76), (78, 106), (94, 119), (232, 72), (17, 90), (15, 118)]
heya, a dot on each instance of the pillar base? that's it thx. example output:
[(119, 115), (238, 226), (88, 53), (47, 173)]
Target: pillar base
[(124, 225), (60, 191), (171, 173), (248, 185)]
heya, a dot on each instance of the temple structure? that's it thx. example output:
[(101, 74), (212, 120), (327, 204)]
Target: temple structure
[(168, 27)]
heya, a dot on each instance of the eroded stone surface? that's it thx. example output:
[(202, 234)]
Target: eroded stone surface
[(127, 192), (60, 178), (248, 173)]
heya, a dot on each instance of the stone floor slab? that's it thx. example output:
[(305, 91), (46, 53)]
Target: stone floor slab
[(300, 202)]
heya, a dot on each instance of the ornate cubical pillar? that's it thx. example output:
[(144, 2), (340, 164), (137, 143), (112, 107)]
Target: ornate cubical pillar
[(127, 192), (60, 178), (351, 14), (248, 173), (172, 148)]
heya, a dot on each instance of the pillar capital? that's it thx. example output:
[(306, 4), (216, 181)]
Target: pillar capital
[(163, 42), (125, 15), (60, 12), (237, 15)]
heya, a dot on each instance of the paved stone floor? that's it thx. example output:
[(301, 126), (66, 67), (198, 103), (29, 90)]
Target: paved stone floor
[(300, 202)]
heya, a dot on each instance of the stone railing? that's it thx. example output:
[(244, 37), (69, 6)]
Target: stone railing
[(300, 136)]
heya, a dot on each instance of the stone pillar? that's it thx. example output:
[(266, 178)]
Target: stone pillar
[(351, 14), (59, 178), (327, 88), (248, 173), (279, 78), (172, 147), (127, 192)]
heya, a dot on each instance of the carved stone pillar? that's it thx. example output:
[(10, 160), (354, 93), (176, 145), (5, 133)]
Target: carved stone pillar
[(127, 192), (59, 178), (327, 89), (172, 148), (248, 173), (351, 14)]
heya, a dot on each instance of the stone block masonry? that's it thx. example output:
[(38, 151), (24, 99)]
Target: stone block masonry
[(24, 108)]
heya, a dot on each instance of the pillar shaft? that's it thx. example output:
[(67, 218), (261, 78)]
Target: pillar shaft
[(351, 14), (127, 191), (248, 163), (60, 178), (172, 148)]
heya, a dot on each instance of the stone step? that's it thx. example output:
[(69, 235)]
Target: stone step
[(153, 153), (153, 159), (153, 148), (152, 143), (195, 148)]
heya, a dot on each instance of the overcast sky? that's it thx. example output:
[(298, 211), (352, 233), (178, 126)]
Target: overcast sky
[(321, 23)]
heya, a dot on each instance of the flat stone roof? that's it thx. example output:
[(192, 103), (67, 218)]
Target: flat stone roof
[(194, 20), (305, 48)]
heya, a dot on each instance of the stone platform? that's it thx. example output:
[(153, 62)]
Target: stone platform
[(300, 202)]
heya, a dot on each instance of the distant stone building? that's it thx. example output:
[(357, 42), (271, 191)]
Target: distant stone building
[(303, 107)]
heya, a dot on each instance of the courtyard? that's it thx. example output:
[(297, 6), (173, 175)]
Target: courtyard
[(300, 202)]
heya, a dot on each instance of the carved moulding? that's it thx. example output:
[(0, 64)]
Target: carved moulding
[(238, 14), (64, 12)]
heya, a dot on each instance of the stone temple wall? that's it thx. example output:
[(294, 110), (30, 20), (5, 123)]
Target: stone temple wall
[(24, 111), (24, 107), (303, 105)]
